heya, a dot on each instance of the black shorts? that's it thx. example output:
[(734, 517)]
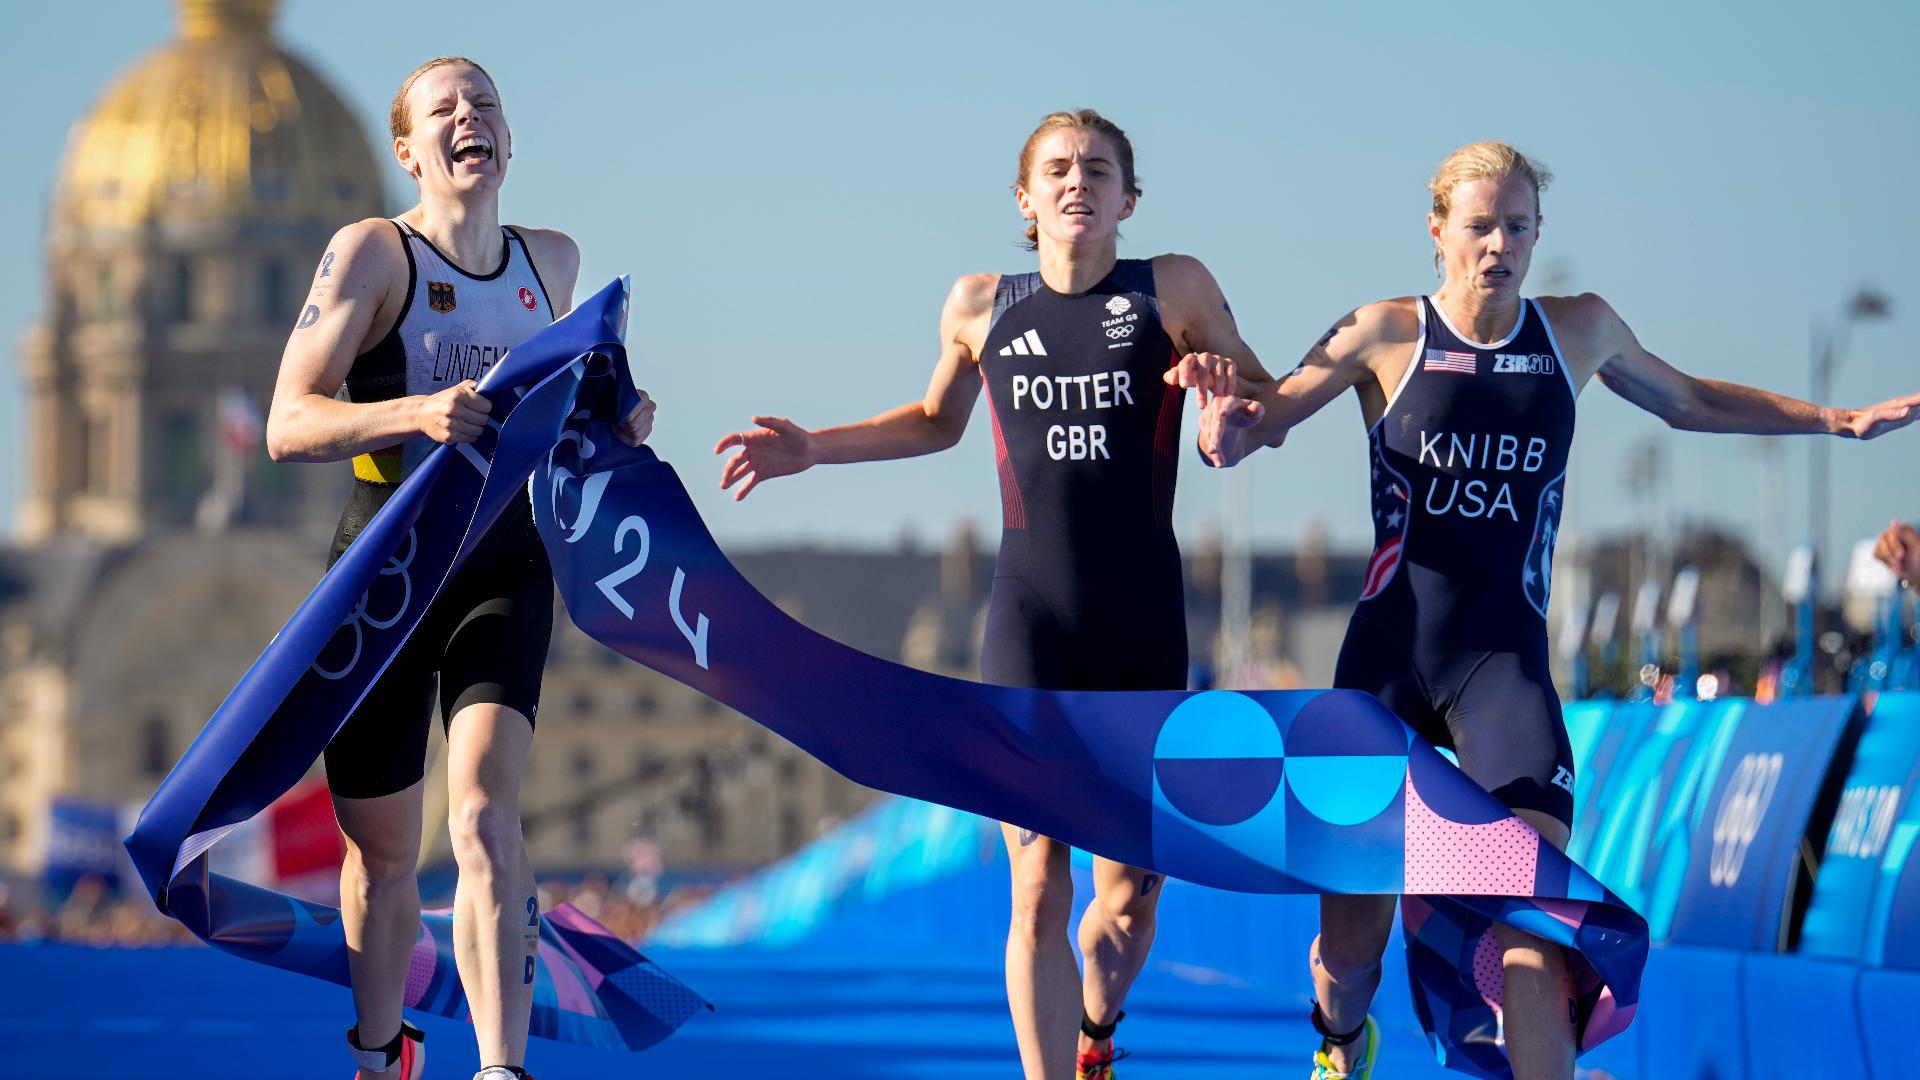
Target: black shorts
[(1113, 618), (483, 642), (1497, 711)]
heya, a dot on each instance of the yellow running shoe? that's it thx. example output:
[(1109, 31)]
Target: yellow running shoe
[(1368, 1038)]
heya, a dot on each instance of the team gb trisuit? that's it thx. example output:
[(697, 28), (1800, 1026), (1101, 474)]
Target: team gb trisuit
[(1468, 467), (486, 635), (1087, 590)]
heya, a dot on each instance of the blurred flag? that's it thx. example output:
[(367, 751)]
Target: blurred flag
[(241, 424)]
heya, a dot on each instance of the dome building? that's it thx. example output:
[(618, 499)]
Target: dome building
[(193, 203)]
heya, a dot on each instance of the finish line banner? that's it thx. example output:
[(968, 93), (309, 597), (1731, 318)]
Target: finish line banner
[(1304, 791)]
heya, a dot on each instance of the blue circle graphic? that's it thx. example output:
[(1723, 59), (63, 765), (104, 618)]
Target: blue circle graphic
[(1218, 758)]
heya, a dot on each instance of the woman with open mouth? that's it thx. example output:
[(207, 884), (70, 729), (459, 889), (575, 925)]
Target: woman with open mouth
[(1468, 396), (1084, 363), (407, 314)]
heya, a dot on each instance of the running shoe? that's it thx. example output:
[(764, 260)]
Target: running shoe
[(406, 1061), (502, 1072), (1097, 1064), (1369, 1053)]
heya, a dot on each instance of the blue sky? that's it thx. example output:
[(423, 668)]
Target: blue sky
[(794, 187)]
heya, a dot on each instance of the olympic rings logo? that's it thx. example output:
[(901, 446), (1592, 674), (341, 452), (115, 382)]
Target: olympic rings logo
[(1742, 809), (397, 565), (1118, 332)]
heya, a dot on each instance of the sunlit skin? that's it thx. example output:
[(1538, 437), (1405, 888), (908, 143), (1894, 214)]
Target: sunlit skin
[(450, 106), (1075, 194), (1485, 246), (1899, 548)]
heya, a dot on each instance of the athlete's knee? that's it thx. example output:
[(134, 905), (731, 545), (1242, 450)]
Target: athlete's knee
[(1042, 899), (1130, 905), (377, 868), (1346, 958), (485, 835)]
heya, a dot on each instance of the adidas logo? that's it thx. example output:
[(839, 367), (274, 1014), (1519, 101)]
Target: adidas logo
[(1027, 344)]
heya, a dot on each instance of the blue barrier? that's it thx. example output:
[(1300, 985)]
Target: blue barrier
[(1892, 923), (1639, 827), (1746, 850), (1866, 847)]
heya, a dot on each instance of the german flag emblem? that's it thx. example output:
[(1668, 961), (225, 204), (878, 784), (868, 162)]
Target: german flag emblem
[(440, 296)]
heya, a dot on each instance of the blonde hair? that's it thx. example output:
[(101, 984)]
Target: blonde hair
[(1483, 161), (400, 118), (1078, 119)]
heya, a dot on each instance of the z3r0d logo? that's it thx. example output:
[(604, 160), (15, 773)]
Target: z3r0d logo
[(1742, 808)]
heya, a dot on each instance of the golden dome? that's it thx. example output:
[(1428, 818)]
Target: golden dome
[(220, 125)]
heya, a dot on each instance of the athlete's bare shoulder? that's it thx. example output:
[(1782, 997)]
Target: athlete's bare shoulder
[(548, 241), (1183, 279), (1383, 324), (371, 243), (552, 250), (969, 305), (1586, 326), (1179, 269), (972, 294), (1583, 313), (365, 261)]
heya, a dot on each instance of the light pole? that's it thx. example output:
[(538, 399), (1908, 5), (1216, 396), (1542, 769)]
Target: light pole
[(1829, 349)]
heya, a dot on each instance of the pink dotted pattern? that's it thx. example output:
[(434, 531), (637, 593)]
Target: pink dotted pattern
[(420, 967), (1489, 973), (1445, 856)]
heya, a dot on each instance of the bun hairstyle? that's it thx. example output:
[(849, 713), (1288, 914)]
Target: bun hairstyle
[(1083, 120), (1483, 161), (400, 118)]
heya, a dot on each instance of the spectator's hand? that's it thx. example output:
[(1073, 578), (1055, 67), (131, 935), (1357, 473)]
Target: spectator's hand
[(1899, 548)]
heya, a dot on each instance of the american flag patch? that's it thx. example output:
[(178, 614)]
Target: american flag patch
[(1459, 363)]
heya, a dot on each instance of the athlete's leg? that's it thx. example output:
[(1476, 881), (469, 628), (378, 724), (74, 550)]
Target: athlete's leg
[(1538, 1001), (495, 921), (1510, 737), (1115, 934), (490, 695), (1377, 657), (380, 904), (1345, 960), (1043, 990), (375, 768)]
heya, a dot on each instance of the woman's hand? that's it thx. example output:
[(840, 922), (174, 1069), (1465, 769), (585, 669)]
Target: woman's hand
[(638, 424), (779, 447), (457, 414)]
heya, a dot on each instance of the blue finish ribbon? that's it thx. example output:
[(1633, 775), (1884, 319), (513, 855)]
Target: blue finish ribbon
[(1299, 791)]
